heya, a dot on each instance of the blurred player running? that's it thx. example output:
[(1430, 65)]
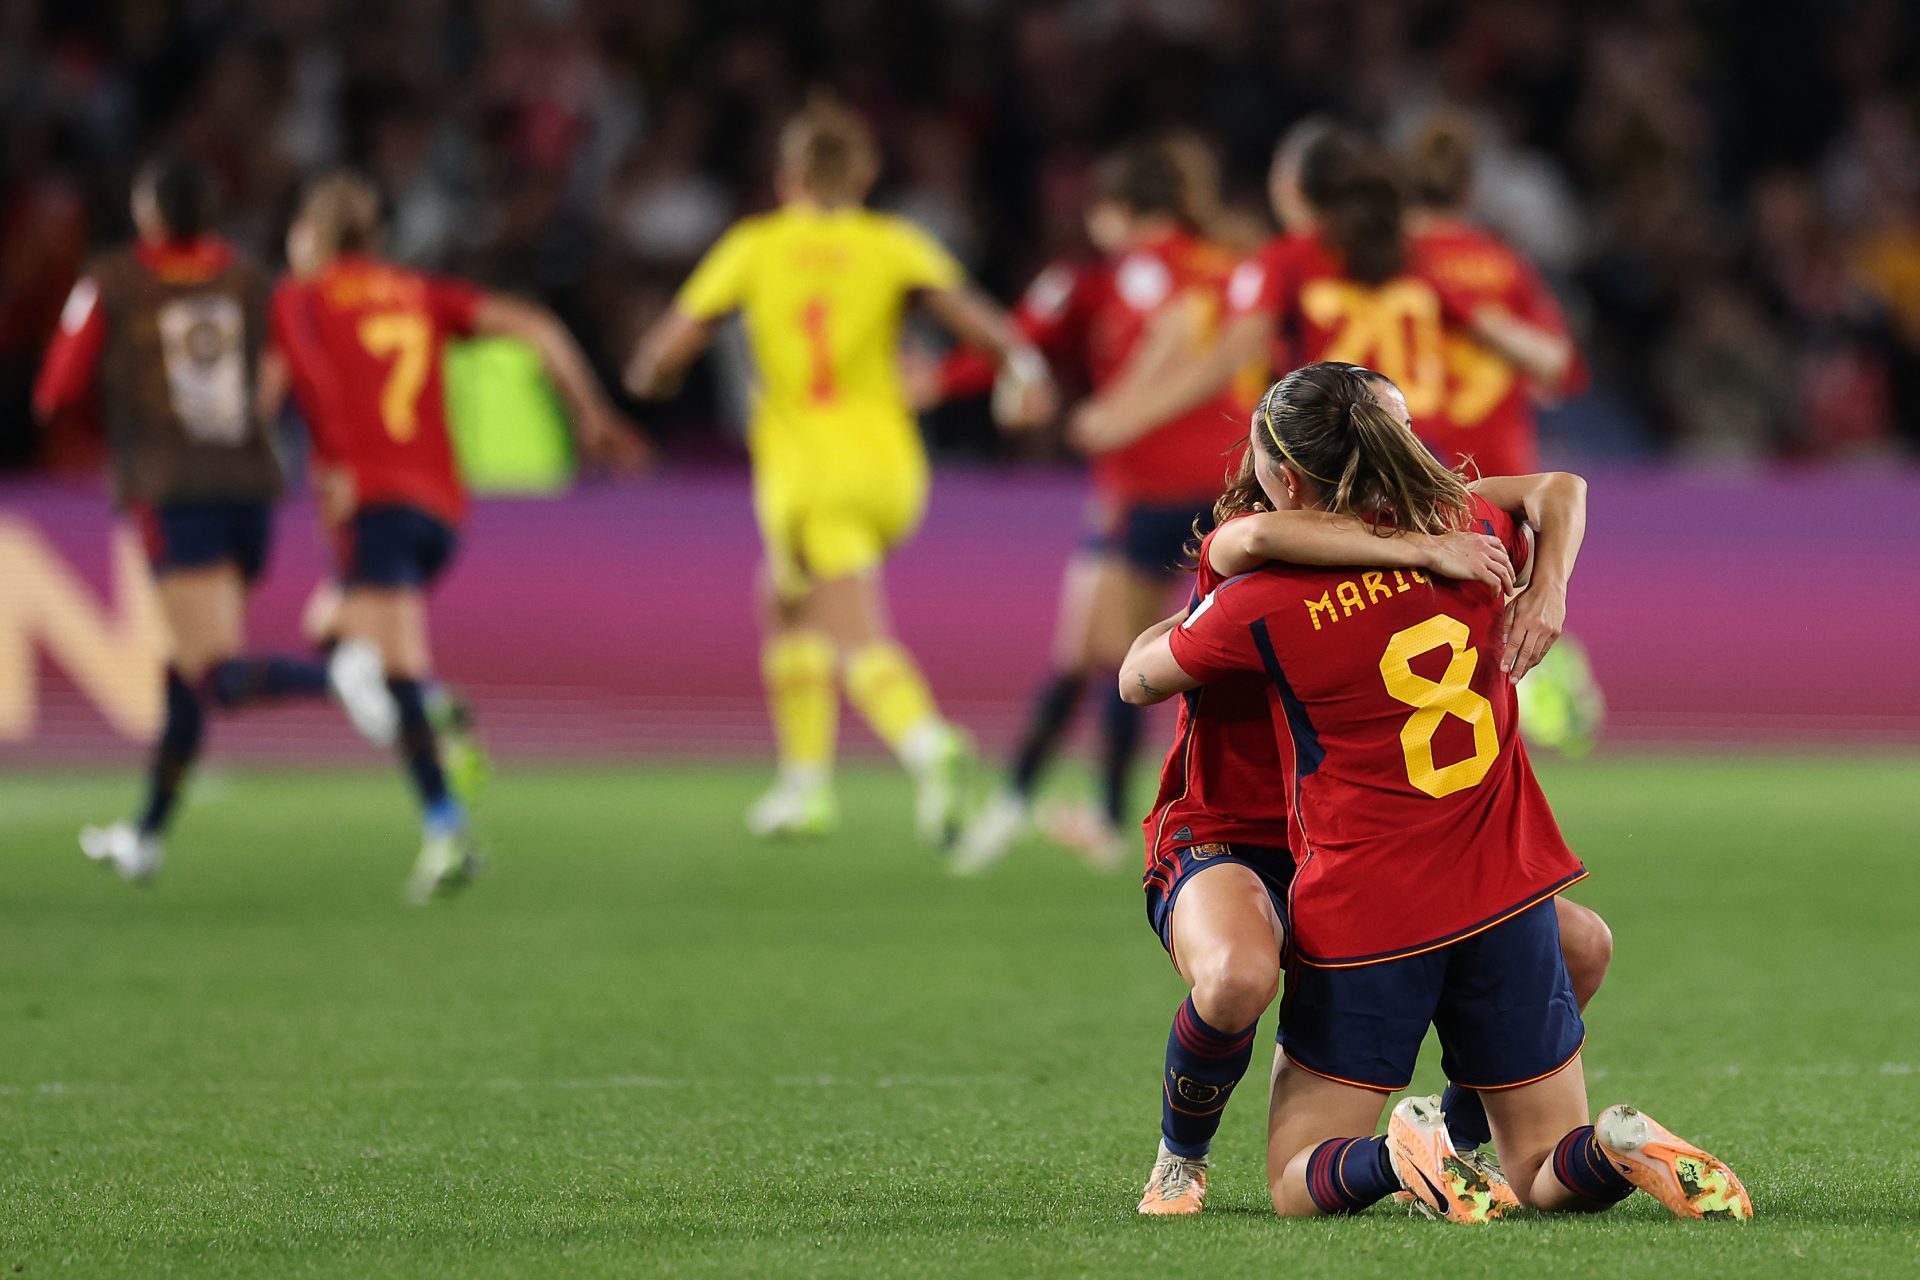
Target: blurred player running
[(167, 333), (1426, 855), (362, 342), (1152, 485), (840, 474)]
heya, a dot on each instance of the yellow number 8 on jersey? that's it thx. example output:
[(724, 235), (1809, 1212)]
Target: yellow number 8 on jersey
[(1434, 700)]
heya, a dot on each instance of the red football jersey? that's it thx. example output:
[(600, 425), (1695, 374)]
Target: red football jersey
[(1487, 413), (1417, 819), (1221, 781), (365, 342), (1465, 400), (1090, 317)]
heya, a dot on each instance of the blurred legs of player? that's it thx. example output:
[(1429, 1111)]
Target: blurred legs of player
[(390, 625), (1561, 705), (824, 616), (837, 627), (204, 557), (360, 682), (1225, 936), (1104, 603), (389, 556)]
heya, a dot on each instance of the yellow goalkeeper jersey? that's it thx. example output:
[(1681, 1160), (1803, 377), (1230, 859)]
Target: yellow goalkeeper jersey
[(822, 293)]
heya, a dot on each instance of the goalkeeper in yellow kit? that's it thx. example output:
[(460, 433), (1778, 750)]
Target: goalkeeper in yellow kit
[(839, 472)]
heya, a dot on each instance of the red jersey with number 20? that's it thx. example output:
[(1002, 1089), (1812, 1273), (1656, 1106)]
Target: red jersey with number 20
[(1465, 400), (1417, 819), (1222, 781), (365, 341)]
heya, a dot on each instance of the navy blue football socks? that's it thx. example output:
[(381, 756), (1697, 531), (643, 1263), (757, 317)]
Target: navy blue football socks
[(1345, 1175), (240, 681), (1584, 1169), (1121, 733), (420, 748), (173, 754), (1203, 1065), (1052, 712), (1466, 1118)]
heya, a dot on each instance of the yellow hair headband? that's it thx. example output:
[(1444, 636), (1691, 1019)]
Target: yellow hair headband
[(1266, 417)]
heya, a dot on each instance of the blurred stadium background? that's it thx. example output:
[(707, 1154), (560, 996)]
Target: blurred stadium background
[(1725, 196)]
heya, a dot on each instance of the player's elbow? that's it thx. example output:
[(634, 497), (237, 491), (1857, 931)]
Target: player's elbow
[(1573, 487), (1134, 689)]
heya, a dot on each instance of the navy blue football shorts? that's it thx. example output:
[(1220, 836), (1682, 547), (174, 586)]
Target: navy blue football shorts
[(1500, 1000), (1171, 870), (194, 535), (1152, 538), (395, 547)]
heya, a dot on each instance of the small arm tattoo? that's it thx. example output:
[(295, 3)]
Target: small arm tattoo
[(1158, 693)]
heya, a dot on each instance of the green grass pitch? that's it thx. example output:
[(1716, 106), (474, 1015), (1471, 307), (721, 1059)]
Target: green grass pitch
[(647, 1045)]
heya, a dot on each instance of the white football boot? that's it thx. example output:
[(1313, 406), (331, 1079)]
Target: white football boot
[(446, 865), (135, 857), (800, 803), (940, 758), (991, 834)]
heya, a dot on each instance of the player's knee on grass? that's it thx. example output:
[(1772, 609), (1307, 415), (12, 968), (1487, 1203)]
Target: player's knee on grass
[(1234, 985), (1587, 943)]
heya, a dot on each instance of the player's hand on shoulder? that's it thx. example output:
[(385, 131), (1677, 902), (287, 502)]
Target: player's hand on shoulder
[(1466, 556), (1534, 622)]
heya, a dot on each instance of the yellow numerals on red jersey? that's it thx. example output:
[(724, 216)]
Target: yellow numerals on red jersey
[(1434, 700), (406, 337)]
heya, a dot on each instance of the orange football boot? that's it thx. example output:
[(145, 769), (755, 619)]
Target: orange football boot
[(1176, 1186), (1443, 1183), (1689, 1181)]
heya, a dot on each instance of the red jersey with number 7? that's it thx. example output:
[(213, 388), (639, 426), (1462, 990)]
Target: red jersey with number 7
[(1417, 818), (364, 341)]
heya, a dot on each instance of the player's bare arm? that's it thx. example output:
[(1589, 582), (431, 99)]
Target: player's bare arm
[(661, 357), (602, 431), (1554, 505), (1024, 395), (1171, 337), (1242, 341), (271, 387), (1544, 355), (1150, 674), (1322, 537)]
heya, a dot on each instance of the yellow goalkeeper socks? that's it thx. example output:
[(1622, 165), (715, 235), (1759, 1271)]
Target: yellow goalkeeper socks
[(885, 685), (798, 671)]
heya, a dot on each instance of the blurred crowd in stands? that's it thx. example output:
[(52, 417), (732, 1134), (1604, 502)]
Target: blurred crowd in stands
[(1725, 193)]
